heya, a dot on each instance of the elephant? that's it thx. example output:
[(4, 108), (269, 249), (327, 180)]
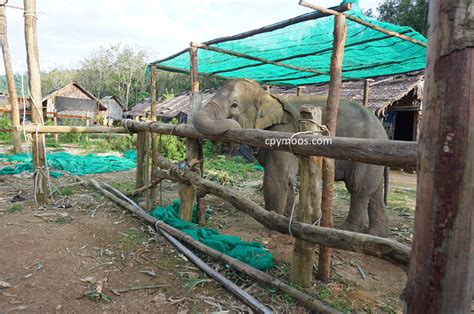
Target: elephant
[(242, 103)]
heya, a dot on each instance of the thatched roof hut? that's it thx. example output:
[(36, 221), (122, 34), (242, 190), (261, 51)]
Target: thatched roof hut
[(72, 99), (114, 108)]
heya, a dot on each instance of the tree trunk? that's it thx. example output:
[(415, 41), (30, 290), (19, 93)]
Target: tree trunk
[(15, 112)]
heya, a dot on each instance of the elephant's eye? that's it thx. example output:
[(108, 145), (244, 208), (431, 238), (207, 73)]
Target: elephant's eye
[(234, 105)]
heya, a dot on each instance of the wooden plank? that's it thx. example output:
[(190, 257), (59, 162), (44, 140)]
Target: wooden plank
[(13, 98), (332, 106), (441, 275), (71, 129), (370, 151), (41, 176), (309, 202)]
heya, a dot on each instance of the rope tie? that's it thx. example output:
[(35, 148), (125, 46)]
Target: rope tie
[(322, 129), (316, 223)]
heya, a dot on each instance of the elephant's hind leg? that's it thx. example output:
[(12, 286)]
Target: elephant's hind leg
[(356, 219), (378, 219)]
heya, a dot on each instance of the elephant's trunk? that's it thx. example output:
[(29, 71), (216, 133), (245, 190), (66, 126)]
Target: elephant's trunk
[(212, 121)]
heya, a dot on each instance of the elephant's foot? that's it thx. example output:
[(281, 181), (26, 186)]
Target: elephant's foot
[(379, 231), (349, 226)]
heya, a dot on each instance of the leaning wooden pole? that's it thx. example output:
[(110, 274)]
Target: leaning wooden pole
[(41, 176), (441, 276), (187, 192), (10, 79), (154, 138), (310, 202), (332, 106)]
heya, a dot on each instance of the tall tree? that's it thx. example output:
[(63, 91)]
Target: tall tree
[(412, 13)]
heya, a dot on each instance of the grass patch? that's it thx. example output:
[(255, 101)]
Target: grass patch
[(402, 199), (125, 188), (15, 208), (66, 191), (229, 168)]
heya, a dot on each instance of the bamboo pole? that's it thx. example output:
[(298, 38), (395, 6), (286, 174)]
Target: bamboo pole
[(370, 151), (332, 107), (310, 202), (41, 176), (13, 98), (71, 129), (362, 22), (441, 277), (154, 139), (299, 90)]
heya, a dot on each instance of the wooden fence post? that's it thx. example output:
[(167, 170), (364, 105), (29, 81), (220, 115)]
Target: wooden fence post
[(141, 174), (154, 138), (15, 112), (187, 193), (55, 122), (309, 203), (332, 106), (441, 276), (40, 177), (366, 92)]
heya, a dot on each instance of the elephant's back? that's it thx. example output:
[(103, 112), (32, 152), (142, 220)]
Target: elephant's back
[(353, 119)]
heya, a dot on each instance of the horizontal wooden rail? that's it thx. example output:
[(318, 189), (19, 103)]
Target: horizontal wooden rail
[(371, 151), (71, 129)]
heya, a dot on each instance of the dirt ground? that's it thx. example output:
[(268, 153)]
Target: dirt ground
[(82, 253)]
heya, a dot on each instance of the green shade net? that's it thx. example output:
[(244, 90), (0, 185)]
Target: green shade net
[(251, 253), (308, 44), (72, 164)]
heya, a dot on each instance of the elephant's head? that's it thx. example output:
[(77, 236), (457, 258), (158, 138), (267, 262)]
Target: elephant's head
[(239, 104)]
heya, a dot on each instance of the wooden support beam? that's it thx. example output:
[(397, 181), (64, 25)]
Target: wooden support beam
[(441, 277), (309, 202), (40, 176), (13, 98), (141, 174), (362, 22), (332, 107), (370, 151), (154, 139), (187, 193), (387, 249)]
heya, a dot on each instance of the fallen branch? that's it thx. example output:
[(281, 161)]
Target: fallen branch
[(145, 188), (387, 249), (119, 291), (226, 283), (305, 299)]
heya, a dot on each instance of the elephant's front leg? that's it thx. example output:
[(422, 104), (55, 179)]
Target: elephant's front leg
[(278, 181)]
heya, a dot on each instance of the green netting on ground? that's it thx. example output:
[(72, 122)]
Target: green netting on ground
[(251, 253), (72, 164), (308, 44)]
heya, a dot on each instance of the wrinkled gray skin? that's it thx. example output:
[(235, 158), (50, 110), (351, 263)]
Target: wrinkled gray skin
[(244, 104)]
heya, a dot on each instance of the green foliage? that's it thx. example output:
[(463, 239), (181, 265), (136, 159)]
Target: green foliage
[(233, 166), (172, 147), (67, 191), (14, 208), (412, 13), (108, 142), (402, 199), (5, 123), (168, 95)]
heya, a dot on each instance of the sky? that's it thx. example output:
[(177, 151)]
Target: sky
[(68, 30)]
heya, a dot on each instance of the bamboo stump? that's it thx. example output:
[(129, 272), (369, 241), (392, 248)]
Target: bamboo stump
[(310, 202)]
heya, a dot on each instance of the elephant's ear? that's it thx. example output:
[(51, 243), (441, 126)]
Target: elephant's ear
[(270, 111)]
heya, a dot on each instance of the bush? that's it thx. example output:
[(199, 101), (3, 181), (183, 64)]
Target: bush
[(172, 147), (5, 123)]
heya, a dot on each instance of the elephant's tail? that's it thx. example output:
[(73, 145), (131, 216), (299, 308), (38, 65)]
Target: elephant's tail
[(386, 173)]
